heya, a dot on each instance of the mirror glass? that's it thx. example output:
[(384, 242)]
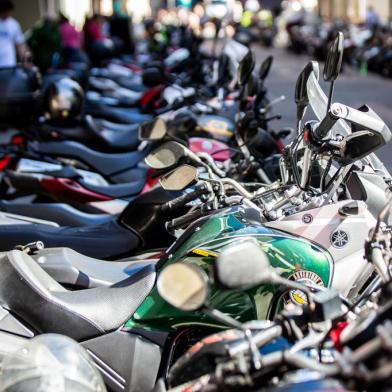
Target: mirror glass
[(183, 286), (265, 67), (246, 67), (359, 144), (333, 63), (165, 156), (252, 86), (179, 179), (153, 130), (243, 264)]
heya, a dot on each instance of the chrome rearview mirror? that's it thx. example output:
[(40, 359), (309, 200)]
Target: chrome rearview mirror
[(153, 130), (333, 63), (183, 286), (265, 67), (243, 264), (252, 85), (169, 154), (246, 67), (165, 156), (180, 178)]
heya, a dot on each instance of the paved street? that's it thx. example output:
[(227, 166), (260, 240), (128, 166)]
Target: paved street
[(351, 89)]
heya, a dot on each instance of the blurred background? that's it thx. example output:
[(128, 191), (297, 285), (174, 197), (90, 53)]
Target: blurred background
[(293, 31), (352, 11)]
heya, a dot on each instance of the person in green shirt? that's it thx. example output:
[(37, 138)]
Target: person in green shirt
[(44, 41)]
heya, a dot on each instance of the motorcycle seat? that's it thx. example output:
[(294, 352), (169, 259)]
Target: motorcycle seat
[(99, 135), (30, 293), (110, 240), (120, 139), (106, 164), (103, 125), (63, 214), (116, 114), (74, 269), (117, 191)]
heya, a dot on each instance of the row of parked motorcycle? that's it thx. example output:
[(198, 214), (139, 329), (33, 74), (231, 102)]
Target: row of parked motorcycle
[(367, 48), (185, 246)]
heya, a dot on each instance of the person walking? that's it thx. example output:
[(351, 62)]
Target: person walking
[(12, 44), (372, 18)]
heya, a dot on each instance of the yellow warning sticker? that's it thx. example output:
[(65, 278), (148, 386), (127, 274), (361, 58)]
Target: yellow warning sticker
[(203, 252)]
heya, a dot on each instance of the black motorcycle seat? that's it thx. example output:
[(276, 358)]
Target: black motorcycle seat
[(74, 269), (112, 126), (119, 139), (117, 191), (106, 164), (96, 134), (34, 296), (109, 241), (63, 214), (116, 114)]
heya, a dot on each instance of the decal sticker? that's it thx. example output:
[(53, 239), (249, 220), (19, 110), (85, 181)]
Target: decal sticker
[(203, 252), (339, 239), (305, 277), (216, 126)]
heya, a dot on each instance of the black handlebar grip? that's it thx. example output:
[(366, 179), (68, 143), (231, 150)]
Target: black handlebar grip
[(183, 199), (184, 220)]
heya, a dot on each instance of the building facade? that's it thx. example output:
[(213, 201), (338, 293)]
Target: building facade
[(29, 12), (354, 10)]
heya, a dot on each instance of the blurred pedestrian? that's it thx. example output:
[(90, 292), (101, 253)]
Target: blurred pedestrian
[(157, 39), (11, 37), (372, 18), (45, 43), (71, 41), (97, 45)]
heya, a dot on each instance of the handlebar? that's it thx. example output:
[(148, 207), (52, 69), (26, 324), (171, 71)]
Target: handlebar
[(184, 199), (377, 260), (184, 220)]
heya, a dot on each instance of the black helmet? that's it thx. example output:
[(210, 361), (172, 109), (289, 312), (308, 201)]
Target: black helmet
[(49, 363), (152, 77), (63, 100)]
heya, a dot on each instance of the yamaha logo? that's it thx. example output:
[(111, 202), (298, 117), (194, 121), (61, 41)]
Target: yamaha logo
[(339, 239), (305, 277)]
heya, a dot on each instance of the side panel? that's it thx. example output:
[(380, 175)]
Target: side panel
[(342, 234), (126, 361)]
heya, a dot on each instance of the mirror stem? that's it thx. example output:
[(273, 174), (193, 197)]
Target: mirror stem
[(222, 318), (277, 279), (299, 126), (331, 89)]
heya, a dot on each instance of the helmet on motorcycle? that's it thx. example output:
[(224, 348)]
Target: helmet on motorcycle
[(63, 99), (185, 122), (152, 77), (49, 363)]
